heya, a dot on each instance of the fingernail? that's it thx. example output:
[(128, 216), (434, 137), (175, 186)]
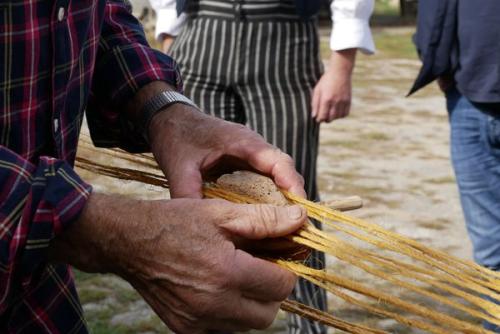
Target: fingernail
[(294, 211), (299, 191)]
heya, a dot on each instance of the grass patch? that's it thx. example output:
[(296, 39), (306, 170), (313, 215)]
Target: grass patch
[(390, 204), (98, 321), (345, 143), (374, 136), (119, 296), (92, 294), (100, 327), (80, 276), (128, 296), (395, 45), (386, 8), (388, 112), (439, 116), (441, 180), (428, 156), (324, 49), (437, 224)]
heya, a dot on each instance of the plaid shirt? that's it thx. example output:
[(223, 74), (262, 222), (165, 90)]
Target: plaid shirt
[(58, 59)]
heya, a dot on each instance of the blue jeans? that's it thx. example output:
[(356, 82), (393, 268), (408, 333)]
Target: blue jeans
[(475, 152)]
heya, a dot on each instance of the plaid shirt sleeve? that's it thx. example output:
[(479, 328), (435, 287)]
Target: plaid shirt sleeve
[(125, 63), (36, 204)]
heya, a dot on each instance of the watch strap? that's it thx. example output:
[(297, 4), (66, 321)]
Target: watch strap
[(157, 104)]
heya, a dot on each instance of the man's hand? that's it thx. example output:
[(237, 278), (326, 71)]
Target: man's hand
[(332, 94), (185, 257), (190, 146)]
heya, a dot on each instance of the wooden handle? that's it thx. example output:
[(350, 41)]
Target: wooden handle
[(344, 204)]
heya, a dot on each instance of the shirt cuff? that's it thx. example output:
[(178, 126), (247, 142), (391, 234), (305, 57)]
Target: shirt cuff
[(352, 34), (168, 23), (55, 201)]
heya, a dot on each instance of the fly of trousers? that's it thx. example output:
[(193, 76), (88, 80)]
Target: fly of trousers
[(260, 71)]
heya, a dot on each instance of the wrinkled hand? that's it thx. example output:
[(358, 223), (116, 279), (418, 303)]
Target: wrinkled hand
[(194, 276), (186, 257), (190, 146), (332, 94)]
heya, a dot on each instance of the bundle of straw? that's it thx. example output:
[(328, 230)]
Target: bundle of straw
[(451, 292)]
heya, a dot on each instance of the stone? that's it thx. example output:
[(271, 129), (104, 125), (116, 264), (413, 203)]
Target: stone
[(253, 185)]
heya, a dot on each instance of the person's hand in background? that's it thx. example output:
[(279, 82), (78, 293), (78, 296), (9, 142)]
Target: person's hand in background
[(166, 42), (333, 93)]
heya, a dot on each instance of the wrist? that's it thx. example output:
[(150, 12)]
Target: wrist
[(343, 61), (173, 122), (159, 104), (97, 241), (134, 108), (164, 36)]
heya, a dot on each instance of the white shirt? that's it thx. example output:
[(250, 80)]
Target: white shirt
[(350, 20)]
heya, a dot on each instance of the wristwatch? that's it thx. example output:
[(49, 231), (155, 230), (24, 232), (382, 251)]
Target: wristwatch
[(157, 104)]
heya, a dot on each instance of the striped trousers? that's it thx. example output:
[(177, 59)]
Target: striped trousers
[(259, 69)]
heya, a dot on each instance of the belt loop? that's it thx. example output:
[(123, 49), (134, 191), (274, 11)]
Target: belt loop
[(238, 9)]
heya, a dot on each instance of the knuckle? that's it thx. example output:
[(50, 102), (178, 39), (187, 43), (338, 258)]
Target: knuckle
[(277, 151), (234, 127), (267, 320), (220, 306), (203, 309), (181, 327), (287, 158), (240, 127), (301, 180), (223, 277), (218, 280), (267, 218), (239, 313), (287, 284)]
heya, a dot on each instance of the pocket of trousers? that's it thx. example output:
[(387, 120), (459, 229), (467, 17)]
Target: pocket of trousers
[(494, 132)]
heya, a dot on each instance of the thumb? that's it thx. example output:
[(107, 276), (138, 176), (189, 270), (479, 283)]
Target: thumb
[(315, 102), (266, 221), (187, 183)]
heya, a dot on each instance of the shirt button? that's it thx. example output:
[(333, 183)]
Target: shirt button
[(60, 14), (56, 125)]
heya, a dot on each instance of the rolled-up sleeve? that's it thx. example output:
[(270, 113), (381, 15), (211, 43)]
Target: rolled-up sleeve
[(37, 203), (168, 22), (351, 28), (125, 63)]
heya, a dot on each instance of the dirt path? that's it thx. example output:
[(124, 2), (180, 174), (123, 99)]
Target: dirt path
[(392, 151)]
